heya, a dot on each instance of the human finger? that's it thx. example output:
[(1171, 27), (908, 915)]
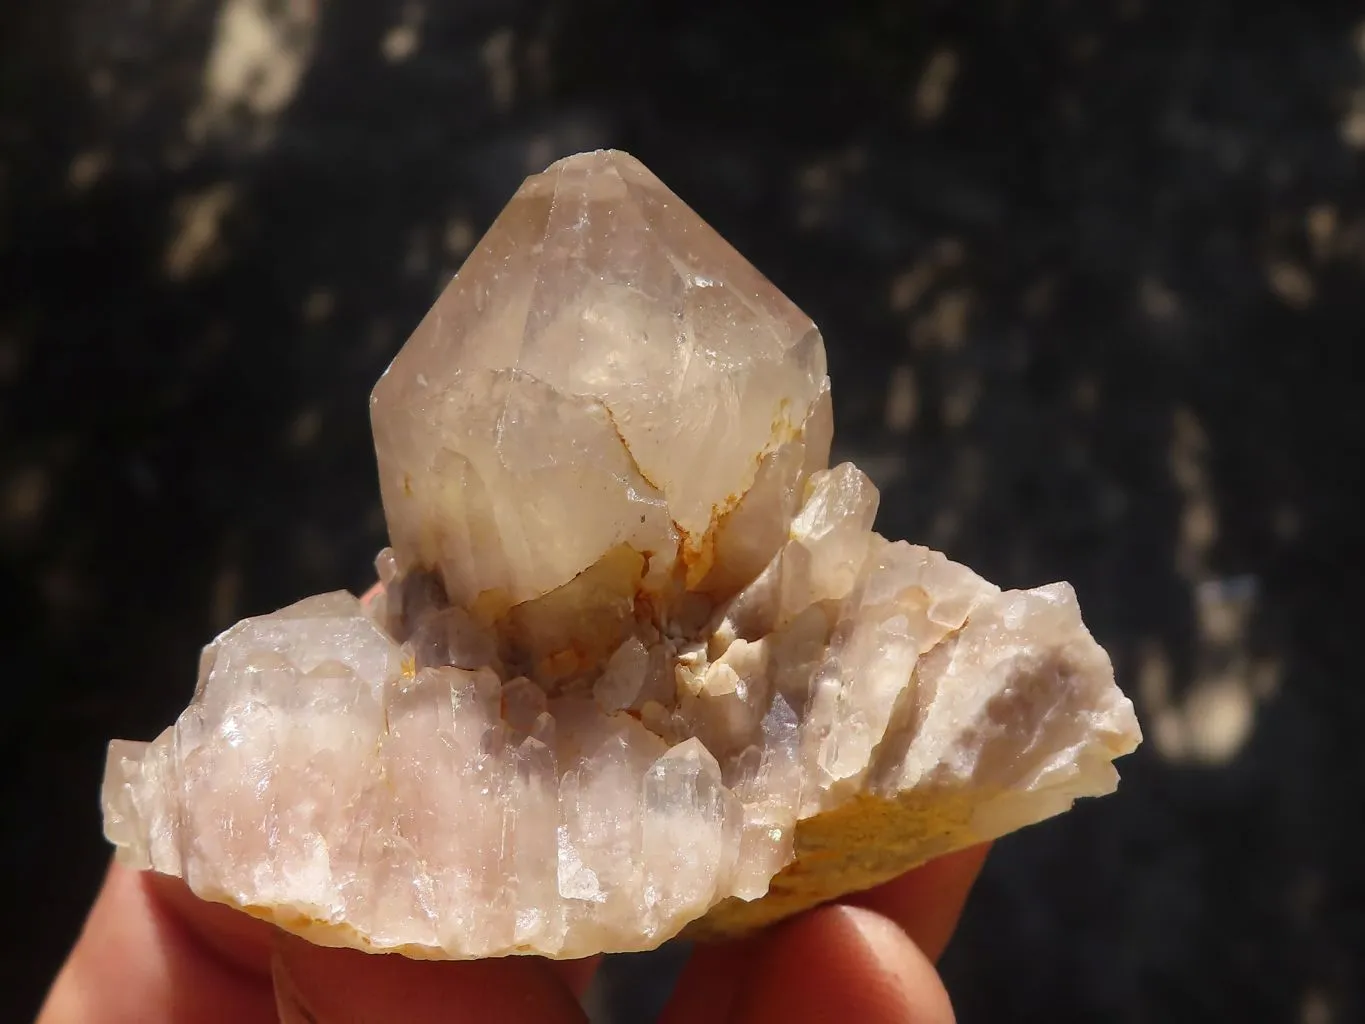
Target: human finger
[(928, 901), (840, 963), (316, 985), (140, 958), (708, 982)]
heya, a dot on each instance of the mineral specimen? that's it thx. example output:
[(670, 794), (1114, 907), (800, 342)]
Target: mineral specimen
[(639, 664)]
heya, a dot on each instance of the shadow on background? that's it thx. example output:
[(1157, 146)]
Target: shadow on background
[(1092, 278)]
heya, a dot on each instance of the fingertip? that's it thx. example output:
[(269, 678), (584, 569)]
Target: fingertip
[(842, 963), (321, 985), (139, 959), (230, 935), (928, 901)]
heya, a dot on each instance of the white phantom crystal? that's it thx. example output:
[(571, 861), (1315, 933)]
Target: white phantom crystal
[(639, 663)]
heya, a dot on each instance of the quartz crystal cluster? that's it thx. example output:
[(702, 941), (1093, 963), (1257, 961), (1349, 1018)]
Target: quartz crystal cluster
[(640, 664)]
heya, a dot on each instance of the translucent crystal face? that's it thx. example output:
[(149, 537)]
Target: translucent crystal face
[(605, 369), (640, 663)]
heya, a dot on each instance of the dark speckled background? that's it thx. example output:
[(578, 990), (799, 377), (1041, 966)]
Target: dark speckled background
[(1092, 278)]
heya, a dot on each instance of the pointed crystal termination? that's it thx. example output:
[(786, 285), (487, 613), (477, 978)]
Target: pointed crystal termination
[(640, 665), (603, 361)]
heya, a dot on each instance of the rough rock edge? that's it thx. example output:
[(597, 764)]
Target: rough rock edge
[(863, 842)]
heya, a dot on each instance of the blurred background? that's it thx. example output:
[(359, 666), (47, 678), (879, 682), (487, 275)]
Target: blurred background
[(1092, 279)]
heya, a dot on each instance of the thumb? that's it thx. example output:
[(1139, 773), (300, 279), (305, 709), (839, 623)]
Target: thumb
[(317, 985)]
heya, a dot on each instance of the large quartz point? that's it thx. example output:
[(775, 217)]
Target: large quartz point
[(639, 665)]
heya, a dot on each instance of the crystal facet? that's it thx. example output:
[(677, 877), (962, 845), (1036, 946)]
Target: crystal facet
[(639, 665)]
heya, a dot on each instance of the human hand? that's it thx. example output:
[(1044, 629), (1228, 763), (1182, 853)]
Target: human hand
[(153, 952)]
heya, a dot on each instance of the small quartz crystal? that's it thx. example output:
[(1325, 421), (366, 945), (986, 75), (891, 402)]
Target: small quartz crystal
[(639, 665)]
